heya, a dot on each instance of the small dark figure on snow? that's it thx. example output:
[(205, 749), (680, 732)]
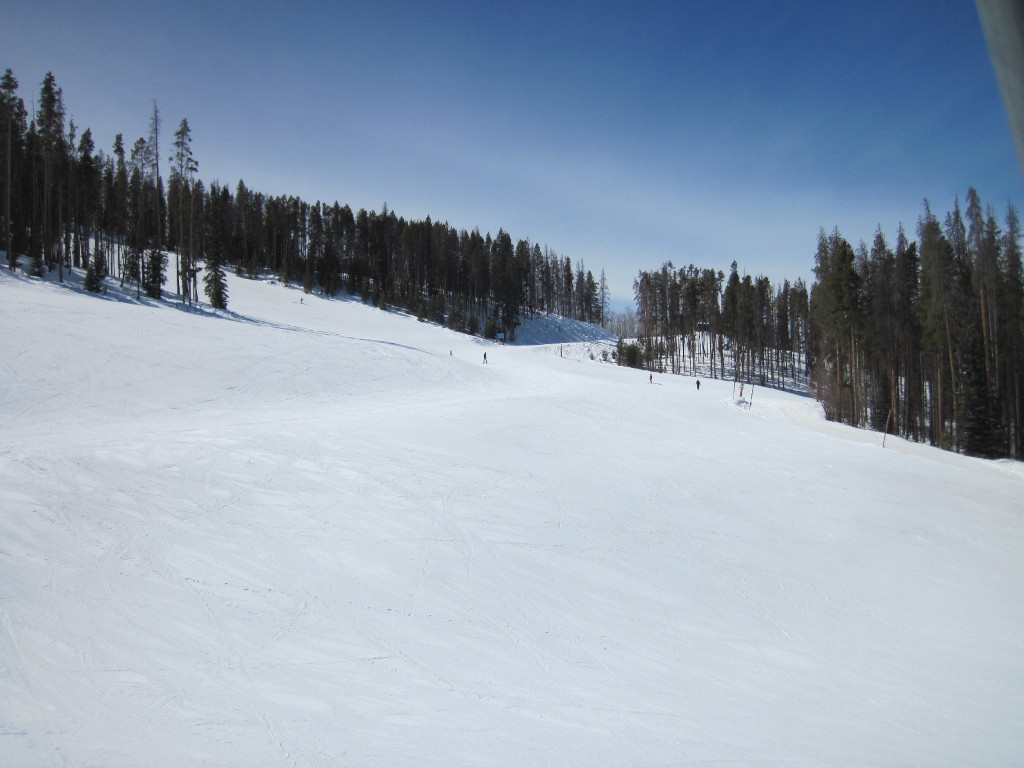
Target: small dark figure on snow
[(698, 385), (485, 357), (650, 378)]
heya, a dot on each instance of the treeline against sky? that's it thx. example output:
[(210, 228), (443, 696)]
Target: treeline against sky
[(68, 205), (924, 339)]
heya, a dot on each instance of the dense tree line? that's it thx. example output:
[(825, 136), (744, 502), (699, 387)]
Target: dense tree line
[(924, 339), (694, 319), (68, 205)]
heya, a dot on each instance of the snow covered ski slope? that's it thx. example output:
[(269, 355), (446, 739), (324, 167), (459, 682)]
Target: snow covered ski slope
[(317, 534)]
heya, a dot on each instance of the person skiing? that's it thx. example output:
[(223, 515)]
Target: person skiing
[(485, 357), (698, 385), (650, 378)]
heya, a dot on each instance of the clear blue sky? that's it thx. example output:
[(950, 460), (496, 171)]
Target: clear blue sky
[(621, 134)]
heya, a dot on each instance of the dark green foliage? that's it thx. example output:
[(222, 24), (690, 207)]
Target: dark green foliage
[(925, 340), (685, 319), (93, 281), (182, 206), (36, 266), (979, 428), (836, 314), (307, 278), (12, 130), (456, 317), (154, 273), (629, 354), (508, 271), (388, 260), (437, 308), (52, 148), (215, 284)]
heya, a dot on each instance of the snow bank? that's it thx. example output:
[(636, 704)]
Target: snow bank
[(552, 329)]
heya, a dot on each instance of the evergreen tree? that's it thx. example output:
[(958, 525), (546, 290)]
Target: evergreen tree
[(183, 168), (983, 254), (835, 310), (909, 414), (117, 203), (153, 146), (314, 248), (978, 427), (567, 288), (602, 293), (1010, 333), (591, 311), (509, 285), (139, 223), (93, 281), (87, 187), (799, 316), (50, 124), (307, 277), (12, 123), (154, 272), (215, 283), (877, 271)]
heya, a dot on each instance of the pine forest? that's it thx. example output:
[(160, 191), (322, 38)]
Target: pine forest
[(918, 338)]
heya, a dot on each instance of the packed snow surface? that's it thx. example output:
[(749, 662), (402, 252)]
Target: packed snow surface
[(307, 532)]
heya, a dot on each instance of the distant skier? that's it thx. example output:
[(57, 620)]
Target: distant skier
[(698, 385), (650, 378), (485, 358)]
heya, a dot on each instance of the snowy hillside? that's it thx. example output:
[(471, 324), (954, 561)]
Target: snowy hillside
[(317, 534)]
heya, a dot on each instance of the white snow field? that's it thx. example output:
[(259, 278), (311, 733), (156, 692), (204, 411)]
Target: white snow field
[(311, 533)]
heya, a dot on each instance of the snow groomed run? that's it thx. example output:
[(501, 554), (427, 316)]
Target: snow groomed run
[(317, 534)]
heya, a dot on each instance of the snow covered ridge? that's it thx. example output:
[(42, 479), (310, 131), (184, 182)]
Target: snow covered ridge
[(552, 329), (310, 533)]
